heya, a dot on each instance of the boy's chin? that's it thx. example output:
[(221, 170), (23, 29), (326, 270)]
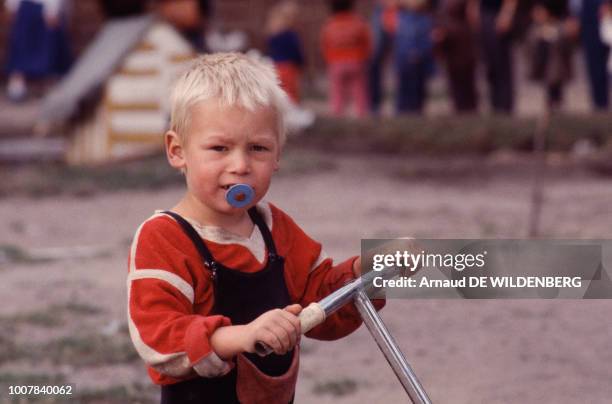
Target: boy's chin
[(229, 209)]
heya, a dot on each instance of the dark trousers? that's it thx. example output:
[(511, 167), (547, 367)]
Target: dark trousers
[(462, 83), (375, 75), (497, 55), (596, 56), (411, 89)]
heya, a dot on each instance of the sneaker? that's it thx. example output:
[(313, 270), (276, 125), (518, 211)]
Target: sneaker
[(298, 119), (16, 89)]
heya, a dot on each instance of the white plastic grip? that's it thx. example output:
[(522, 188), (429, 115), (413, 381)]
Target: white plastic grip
[(310, 317)]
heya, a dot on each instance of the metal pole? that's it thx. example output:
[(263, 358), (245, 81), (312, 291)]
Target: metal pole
[(539, 171), (390, 350)]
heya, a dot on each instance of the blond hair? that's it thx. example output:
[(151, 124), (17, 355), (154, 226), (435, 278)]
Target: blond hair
[(232, 79)]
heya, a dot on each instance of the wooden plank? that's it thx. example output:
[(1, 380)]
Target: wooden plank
[(131, 72), (145, 47), (132, 106), (144, 137), (181, 58)]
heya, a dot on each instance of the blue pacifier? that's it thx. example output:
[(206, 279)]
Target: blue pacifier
[(240, 195)]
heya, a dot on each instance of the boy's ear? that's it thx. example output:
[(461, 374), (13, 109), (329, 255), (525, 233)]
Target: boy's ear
[(174, 150), (277, 164)]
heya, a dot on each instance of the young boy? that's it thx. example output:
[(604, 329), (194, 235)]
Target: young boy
[(207, 281)]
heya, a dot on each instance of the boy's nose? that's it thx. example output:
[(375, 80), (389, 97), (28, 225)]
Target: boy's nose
[(240, 163)]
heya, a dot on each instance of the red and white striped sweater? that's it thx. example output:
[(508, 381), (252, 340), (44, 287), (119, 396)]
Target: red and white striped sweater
[(170, 294)]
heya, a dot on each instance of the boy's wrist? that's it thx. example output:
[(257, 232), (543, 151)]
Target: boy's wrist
[(230, 341)]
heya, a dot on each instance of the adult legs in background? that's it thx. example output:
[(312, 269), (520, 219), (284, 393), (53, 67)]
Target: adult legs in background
[(554, 94), (382, 46), (497, 54), (462, 84), (596, 57)]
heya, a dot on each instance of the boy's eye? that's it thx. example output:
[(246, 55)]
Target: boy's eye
[(259, 148), (218, 148)]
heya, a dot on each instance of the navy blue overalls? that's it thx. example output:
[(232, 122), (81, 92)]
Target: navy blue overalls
[(242, 297)]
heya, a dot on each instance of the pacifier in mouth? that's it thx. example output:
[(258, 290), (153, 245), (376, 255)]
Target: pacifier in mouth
[(240, 195)]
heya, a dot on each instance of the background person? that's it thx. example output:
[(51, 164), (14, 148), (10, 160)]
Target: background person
[(551, 46), (384, 27), (455, 41), (285, 48), (595, 51), (495, 19), (346, 46), (413, 55), (38, 43)]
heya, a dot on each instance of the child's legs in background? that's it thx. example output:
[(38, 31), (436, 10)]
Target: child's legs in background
[(337, 79), (289, 75), (345, 76), (358, 82), (411, 87)]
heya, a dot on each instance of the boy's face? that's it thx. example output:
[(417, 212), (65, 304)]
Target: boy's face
[(223, 146)]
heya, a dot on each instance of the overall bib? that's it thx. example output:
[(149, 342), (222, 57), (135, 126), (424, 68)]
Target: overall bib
[(242, 297)]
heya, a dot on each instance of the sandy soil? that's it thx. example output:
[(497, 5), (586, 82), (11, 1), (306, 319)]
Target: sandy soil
[(463, 351)]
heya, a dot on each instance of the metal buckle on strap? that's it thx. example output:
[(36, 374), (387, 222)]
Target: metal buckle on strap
[(212, 266)]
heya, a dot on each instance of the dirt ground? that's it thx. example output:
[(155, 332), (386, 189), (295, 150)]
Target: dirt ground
[(63, 319)]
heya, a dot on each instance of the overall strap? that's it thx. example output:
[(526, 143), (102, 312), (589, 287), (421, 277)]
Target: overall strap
[(263, 228), (195, 238)]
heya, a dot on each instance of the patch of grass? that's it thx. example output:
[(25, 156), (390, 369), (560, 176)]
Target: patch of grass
[(78, 308), (440, 135), (134, 393), (450, 134), (296, 162), (11, 253), (52, 316), (31, 379), (449, 171), (44, 318), (336, 388), (48, 179), (9, 350), (40, 379), (89, 350)]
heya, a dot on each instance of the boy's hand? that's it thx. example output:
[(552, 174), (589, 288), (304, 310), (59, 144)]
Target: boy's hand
[(357, 267), (279, 329)]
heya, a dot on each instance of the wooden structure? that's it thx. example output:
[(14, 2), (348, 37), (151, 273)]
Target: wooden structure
[(127, 108)]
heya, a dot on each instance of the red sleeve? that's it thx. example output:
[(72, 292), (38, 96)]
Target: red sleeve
[(162, 285), (311, 277)]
